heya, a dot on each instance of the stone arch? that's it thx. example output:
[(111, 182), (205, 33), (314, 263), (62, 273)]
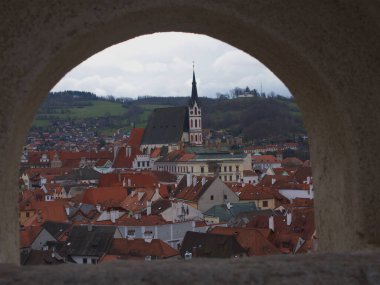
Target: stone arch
[(325, 52)]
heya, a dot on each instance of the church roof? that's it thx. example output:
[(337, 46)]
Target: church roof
[(194, 93), (166, 125)]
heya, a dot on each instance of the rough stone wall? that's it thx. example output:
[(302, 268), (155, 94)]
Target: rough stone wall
[(358, 268), (326, 52)]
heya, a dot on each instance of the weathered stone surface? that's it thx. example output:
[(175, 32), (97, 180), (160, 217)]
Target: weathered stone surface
[(358, 268), (326, 52)]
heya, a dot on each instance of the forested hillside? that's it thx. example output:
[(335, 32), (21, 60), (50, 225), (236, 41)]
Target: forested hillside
[(255, 118)]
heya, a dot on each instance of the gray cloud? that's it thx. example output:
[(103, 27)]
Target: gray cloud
[(161, 65)]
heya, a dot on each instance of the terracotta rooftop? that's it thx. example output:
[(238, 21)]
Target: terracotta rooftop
[(250, 192), (156, 248), (106, 196), (250, 239), (136, 137), (28, 235)]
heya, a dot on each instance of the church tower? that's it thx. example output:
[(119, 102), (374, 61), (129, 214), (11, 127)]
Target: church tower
[(195, 116)]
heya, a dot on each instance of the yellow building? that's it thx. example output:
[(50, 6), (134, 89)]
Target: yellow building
[(263, 197), (228, 167)]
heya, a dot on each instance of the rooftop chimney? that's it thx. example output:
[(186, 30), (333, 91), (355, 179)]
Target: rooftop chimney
[(188, 179), (148, 208), (148, 236), (128, 151), (113, 216), (271, 223), (289, 219), (203, 181), (194, 181)]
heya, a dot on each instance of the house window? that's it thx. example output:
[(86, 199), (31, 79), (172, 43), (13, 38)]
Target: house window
[(84, 260), (27, 214), (225, 197), (237, 177), (265, 204), (147, 164), (138, 164), (195, 110), (191, 125), (230, 168), (237, 167), (202, 169), (225, 177), (93, 260), (196, 138), (212, 197), (230, 177), (225, 169), (196, 123), (143, 164)]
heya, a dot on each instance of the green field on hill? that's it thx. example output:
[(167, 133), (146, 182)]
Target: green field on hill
[(99, 109), (254, 118)]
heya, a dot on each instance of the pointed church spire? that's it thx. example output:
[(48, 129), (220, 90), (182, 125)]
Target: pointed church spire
[(194, 92)]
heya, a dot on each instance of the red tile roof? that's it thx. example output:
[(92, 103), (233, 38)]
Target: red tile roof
[(144, 220), (249, 173), (250, 192), (302, 174), (264, 159), (125, 248), (292, 162), (136, 137), (48, 211), (194, 192), (105, 196), (122, 160), (250, 239), (28, 235), (137, 200), (136, 178)]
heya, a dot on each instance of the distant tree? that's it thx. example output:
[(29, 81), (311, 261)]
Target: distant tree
[(222, 96), (102, 143)]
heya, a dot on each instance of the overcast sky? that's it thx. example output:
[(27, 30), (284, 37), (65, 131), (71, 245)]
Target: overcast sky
[(161, 65)]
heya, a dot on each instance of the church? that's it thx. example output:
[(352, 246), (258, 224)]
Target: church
[(175, 127)]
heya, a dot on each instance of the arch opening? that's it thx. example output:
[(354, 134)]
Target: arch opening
[(303, 67)]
